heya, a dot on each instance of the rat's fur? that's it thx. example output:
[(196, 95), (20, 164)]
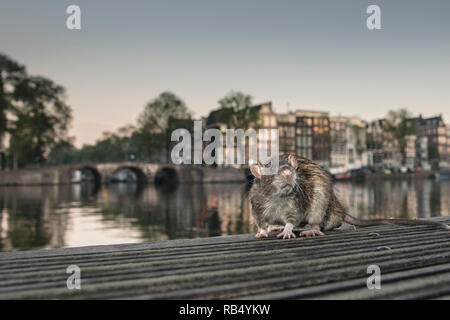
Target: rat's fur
[(305, 197)]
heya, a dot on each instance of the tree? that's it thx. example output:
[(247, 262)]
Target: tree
[(160, 117), (41, 121), (398, 125), (236, 111), (33, 111), (112, 147), (10, 73), (63, 152)]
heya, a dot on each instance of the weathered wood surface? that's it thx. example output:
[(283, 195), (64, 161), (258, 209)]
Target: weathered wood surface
[(330, 267)]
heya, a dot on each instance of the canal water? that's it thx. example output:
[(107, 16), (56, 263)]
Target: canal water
[(33, 217)]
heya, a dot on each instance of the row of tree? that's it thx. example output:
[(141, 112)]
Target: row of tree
[(33, 113), (35, 116), (150, 138), (36, 119)]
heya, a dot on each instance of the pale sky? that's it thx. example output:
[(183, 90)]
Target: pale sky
[(313, 54)]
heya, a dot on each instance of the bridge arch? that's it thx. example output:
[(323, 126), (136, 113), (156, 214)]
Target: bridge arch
[(167, 176), (122, 174), (86, 173)]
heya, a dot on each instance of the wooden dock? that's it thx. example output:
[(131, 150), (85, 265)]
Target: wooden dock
[(414, 263)]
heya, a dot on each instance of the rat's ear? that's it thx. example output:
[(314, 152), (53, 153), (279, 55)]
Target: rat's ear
[(293, 161), (255, 168)]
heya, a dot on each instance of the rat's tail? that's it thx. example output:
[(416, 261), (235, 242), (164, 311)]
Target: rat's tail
[(375, 222)]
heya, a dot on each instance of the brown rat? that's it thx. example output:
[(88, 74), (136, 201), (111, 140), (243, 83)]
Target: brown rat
[(300, 194)]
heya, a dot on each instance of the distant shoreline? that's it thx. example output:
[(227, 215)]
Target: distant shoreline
[(383, 176)]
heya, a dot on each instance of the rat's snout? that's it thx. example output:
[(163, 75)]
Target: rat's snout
[(286, 172), (284, 181)]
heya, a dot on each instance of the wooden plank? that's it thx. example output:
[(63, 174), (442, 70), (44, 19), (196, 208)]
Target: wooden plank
[(415, 264)]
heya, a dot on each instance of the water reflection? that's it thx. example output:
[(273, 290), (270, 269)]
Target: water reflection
[(83, 214), (417, 198)]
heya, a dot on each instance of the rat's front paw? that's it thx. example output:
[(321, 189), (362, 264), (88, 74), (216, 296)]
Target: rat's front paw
[(311, 233), (286, 234), (262, 234)]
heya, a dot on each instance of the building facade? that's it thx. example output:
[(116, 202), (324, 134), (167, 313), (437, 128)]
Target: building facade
[(339, 138), (422, 152), (348, 144), (448, 146), (436, 133), (312, 134), (374, 138), (267, 119), (357, 143), (410, 151), (383, 148), (345, 143), (286, 127)]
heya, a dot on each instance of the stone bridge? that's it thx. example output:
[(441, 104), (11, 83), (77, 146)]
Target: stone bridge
[(145, 172), (103, 173)]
